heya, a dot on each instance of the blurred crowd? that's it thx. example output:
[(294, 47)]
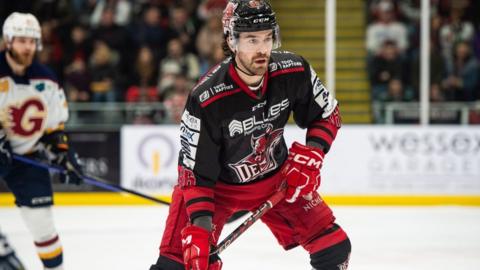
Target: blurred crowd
[(393, 44), (128, 51), (154, 50)]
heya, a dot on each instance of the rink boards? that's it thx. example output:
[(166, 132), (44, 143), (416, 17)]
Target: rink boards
[(368, 165)]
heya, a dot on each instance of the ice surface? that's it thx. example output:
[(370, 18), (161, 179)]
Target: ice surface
[(393, 238)]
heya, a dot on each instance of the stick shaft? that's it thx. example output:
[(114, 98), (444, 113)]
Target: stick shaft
[(256, 215), (94, 181)]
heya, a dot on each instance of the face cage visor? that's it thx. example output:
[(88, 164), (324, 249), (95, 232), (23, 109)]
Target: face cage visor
[(251, 44)]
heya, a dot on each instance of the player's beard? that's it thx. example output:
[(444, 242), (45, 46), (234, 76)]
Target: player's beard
[(258, 65), (23, 59)]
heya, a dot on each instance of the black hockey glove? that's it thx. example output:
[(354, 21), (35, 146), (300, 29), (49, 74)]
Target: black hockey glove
[(71, 162), (8, 259), (5, 156), (58, 151)]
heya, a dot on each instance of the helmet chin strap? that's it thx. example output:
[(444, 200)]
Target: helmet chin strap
[(248, 73)]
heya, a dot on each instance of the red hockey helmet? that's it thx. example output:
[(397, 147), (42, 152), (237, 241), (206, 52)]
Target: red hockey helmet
[(250, 16)]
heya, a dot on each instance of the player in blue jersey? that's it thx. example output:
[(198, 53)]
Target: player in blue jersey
[(33, 110)]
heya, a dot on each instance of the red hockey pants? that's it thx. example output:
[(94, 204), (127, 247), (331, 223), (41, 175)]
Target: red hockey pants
[(300, 223)]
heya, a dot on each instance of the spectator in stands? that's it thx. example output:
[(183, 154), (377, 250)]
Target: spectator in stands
[(79, 45), (119, 42), (456, 30), (151, 32), (438, 72), (103, 73), (386, 66), (78, 49), (83, 10), (409, 13), (209, 8), (187, 63), (183, 27), (462, 81), (396, 91), (59, 12), (386, 27), (77, 81), (174, 104), (144, 88), (436, 24), (217, 56), (121, 11), (476, 43), (52, 53), (174, 82), (114, 35), (209, 36), (144, 78)]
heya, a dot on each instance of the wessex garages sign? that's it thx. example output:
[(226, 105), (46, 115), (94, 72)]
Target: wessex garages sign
[(369, 160)]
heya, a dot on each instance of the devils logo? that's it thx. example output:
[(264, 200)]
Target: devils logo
[(261, 160)]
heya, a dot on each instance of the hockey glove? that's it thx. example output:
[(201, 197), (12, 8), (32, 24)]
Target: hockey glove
[(8, 259), (74, 171), (58, 151), (5, 156), (5, 153), (196, 249), (302, 171)]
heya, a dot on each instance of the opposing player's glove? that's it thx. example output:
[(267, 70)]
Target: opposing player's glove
[(58, 151), (5, 153), (8, 259), (196, 249), (5, 156), (71, 162), (302, 171)]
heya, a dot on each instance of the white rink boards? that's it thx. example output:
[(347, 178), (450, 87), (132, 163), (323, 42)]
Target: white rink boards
[(393, 238)]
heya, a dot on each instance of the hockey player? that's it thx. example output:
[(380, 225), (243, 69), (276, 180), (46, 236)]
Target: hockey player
[(32, 112), (234, 155)]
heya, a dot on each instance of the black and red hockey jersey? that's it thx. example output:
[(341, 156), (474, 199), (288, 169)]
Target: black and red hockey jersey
[(231, 134)]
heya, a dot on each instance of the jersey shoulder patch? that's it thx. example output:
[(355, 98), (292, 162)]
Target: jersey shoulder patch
[(284, 62), (215, 85)]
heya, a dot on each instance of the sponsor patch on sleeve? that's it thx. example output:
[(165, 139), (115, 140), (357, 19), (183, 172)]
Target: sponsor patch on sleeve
[(190, 121), (322, 96), (189, 137)]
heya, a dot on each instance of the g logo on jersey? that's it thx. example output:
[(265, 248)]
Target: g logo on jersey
[(26, 118)]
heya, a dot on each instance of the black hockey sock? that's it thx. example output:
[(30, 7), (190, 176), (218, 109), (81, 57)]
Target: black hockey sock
[(332, 258), (164, 263)]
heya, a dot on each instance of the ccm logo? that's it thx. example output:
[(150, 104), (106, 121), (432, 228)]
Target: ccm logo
[(306, 160), (187, 240)]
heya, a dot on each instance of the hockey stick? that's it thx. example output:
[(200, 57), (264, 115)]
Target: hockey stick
[(256, 215), (94, 181)]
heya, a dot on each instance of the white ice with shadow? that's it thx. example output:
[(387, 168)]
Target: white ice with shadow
[(392, 238)]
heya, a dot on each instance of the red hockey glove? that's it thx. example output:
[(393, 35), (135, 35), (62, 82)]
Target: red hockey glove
[(196, 247), (302, 171)]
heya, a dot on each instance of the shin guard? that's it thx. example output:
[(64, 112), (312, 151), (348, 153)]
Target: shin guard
[(39, 221)]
